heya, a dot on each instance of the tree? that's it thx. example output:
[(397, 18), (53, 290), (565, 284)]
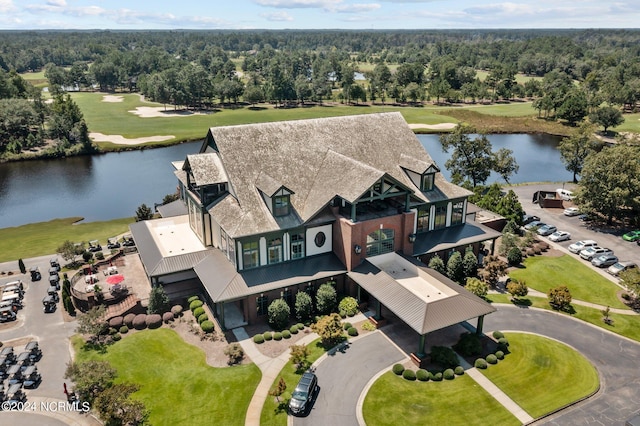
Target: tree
[(117, 408), (510, 208), (437, 264), (93, 323), (303, 306), (143, 212), (575, 148), (158, 300), (67, 250), (455, 269), (91, 378), (517, 288), (170, 198), (469, 264), (631, 280), (493, 269), (559, 298), (23, 269), (326, 299), (477, 287), (471, 158), (279, 389), (278, 313), (329, 328), (299, 355), (504, 163), (607, 116), (514, 256), (574, 107)]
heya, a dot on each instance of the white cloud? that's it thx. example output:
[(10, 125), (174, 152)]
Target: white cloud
[(57, 3), (7, 6), (277, 16), (296, 4), (357, 8)]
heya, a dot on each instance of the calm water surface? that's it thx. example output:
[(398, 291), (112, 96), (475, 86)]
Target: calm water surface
[(113, 185)]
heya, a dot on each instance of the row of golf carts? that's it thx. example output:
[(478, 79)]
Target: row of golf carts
[(18, 372)]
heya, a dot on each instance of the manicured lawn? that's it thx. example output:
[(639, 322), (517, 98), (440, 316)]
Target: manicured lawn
[(520, 78), (542, 375), (274, 413), (515, 109), (631, 124), (393, 401), (544, 272), (176, 384), (42, 238), (624, 325)]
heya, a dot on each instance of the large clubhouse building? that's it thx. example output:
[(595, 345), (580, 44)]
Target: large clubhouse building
[(268, 210)]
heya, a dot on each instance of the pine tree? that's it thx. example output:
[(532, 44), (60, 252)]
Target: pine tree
[(23, 269)]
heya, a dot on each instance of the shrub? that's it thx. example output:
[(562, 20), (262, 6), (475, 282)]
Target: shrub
[(492, 359), (267, 336), (398, 369), (459, 370), (368, 326), (235, 353), (352, 331), (455, 269), (544, 245), (192, 298), (349, 306), (409, 375), (167, 317), (176, 310), (468, 345), (347, 325), (500, 355), (140, 321), (514, 256), (437, 377), (422, 375), (477, 287), (529, 252), (300, 326), (258, 338), (116, 337), (112, 331), (503, 344), (498, 334), (559, 298), (448, 374), (158, 300), (198, 311), (278, 313), (207, 326), (293, 329), (480, 363), (277, 336), (154, 320), (202, 318), (100, 255), (303, 306), (116, 322), (286, 334), (326, 298), (537, 249), (195, 304), (124, 329), (128, 320), (444, 356)]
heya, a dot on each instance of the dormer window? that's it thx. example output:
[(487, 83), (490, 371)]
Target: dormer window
[(427, 181), (281, 205)]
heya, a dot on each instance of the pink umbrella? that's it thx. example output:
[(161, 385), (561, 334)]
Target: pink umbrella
[(115, 279)]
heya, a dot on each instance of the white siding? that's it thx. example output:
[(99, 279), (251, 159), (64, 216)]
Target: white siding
[(311, 233), (263, 251)]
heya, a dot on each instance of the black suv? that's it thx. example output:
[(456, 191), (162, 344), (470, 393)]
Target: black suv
[(303, 393)]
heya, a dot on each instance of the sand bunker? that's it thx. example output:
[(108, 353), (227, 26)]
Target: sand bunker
[(440, 126), (148, 112), (121, 140), (112, 98)]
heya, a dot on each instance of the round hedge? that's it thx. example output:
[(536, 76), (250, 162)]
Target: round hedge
[(198, 311), (258, 338), (286, 334), (124, 329), (480, 363), (167, 317), (500, 355), (293, 329), (128, 320), (116, 337), (398, 369), (459, 370), (112, 331), (422, 375), (448, 374), (346, 325), (192, 298), (267, 335), (498, 334), (116, 322), (207, 326), (202, 318), (140, 322), (176, 310), (352, 331), (437, 377), (492, 359), (277, 336), (195, 304), (409, 375), (154, 320), (300, 326)]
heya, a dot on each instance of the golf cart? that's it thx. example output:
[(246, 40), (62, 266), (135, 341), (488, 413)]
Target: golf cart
[(14, 396), (15, 374), (31, 377), (8, 355), (54, 280), (35, 274), (53, 262), (24, 359), (112, 243), (34, 350), (11, 300), (127, 241), (49, 304), (7, 314), (94, 246), (53, 292)]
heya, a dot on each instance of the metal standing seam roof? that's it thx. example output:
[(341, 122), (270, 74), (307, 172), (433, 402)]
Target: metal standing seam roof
[(452, 237), (422, 316), (174, 208)]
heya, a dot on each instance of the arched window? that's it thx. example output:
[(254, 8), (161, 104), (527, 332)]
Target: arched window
[(380, 242)]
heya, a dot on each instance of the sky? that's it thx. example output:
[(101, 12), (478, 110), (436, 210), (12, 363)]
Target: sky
[(317, 14)]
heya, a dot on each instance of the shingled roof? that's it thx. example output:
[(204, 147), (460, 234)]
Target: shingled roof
[(317, 159)]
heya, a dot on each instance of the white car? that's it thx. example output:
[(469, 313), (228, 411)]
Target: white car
[(595, 251), (616, 268), (560, 236), (571, 211), (577, 247)]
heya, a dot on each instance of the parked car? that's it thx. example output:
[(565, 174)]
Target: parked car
[(534, 224), (571, 211), (547, 230), (35, 274), (618, 267), (528, 218), (565, 194), (578, 246), (595, 251), (303, 393), (632, 235), (604, 260), (560, 236)]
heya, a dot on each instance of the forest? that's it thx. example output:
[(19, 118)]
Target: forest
[(569, 75)]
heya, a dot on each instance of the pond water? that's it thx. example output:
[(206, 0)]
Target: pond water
[(113, 185)]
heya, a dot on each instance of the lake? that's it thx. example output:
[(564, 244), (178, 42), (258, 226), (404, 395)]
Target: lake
[(113, 185)]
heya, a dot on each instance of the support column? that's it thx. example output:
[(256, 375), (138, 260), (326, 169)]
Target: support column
[(407, 200), (479, 326), (359, 295), (378, 310), (224, 327), (353, 212), (421, 346)]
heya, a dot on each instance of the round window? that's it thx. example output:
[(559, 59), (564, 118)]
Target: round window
[(320, 239)]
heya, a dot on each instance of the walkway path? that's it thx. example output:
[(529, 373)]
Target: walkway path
[(620, 311)]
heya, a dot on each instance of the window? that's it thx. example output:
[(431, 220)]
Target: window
[(297, 246), (427, 182), (250, 255), (274, 250), (281, 205), (287, 296), (262, 303), (423, 219), (456, 214), (441, 217), (320, 239), (379, 242), (223, 241)]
